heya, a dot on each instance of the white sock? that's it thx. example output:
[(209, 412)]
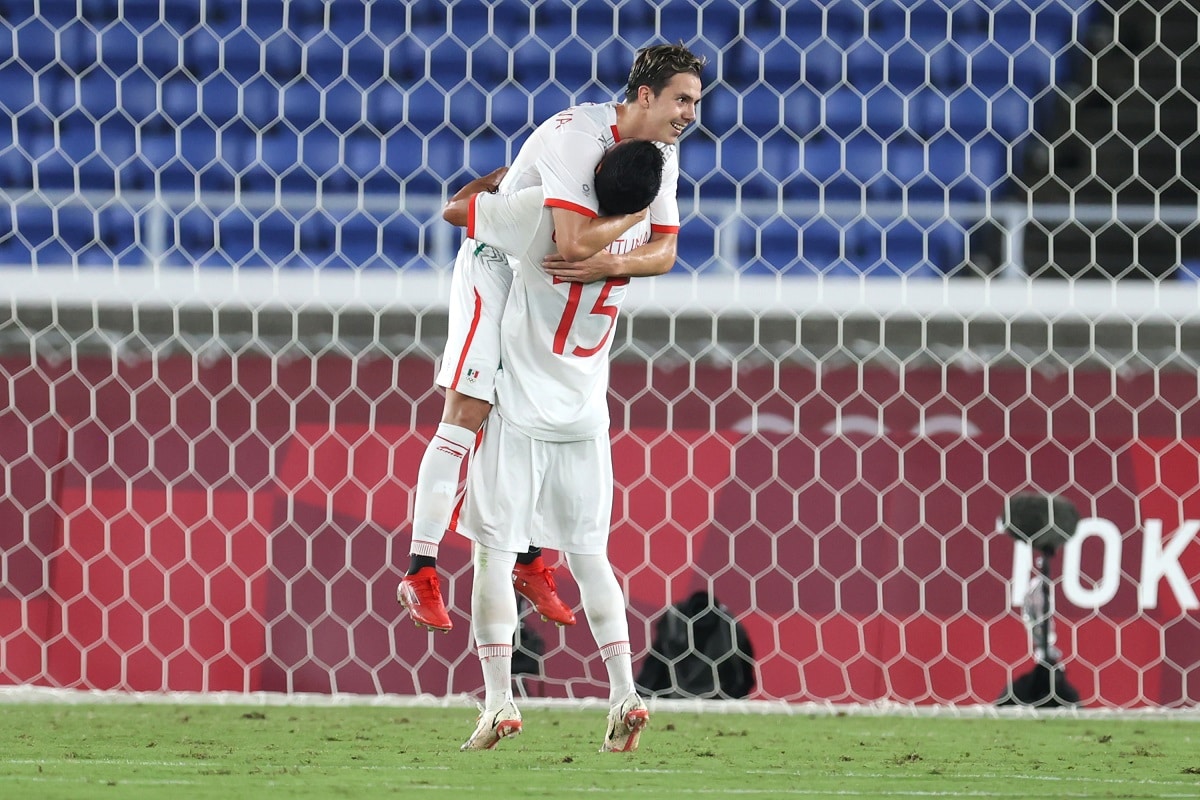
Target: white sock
[(496, 660), (437, 487), (494, 621), (604, 606), (618, 660)]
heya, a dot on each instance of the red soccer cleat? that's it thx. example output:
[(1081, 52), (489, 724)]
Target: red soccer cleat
[(421, 595), (536, 583)]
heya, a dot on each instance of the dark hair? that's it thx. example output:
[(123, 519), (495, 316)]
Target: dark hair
[(629, 176), (656, 65)]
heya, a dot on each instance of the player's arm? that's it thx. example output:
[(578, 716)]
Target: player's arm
[(457, 208), (655, 257), (582, 235)]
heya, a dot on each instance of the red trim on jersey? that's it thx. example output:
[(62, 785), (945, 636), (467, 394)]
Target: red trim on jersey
[(475, 317), (665, 229), (569, 206), (616, 133), (471, 216)]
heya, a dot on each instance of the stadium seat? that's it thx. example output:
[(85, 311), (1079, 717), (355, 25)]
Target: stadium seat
[(364, 162), (236, 241), (865, 65), (277, 234), (762, 110), (822, 248), (484, 154), (343, 105), (36, 44), (509, 110), (864, 160), (698, 247), (887, 112), (19, 92), (425, 107), (301, 104), (842, 113), (769, 247), (904, 158)]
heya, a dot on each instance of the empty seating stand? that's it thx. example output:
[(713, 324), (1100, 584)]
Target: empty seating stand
[(809, 102)]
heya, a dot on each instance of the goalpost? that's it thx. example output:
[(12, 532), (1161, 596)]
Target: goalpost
[(914, 281)]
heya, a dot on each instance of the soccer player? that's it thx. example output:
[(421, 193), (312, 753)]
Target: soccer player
[(542, 473), (660, 102)]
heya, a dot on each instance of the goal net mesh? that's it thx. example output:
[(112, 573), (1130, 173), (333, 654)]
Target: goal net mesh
[(934, 253)]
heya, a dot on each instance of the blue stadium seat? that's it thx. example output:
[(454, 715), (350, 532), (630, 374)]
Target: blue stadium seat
[(509, 109), (16, 171), (138, 92), (301, 104), (425, 107), (548, 101), (762, 110), (698, 161), (236, 241), (904, 158), (358, 245), (531, 62), (19, 93), (219, 100), (740, 166), (698, 245), (907, 67), (966, 114), (823, 248), (887, 112), (1011, 115), (822, 67), (56, 236), (364, 162), (486, 153), (865, 65), (676, 20), (343, 105), (468, 109), (36, 44), (822, 165), (385, 107), (277, 240), (802, 111), (276, 164), (192, 240), (843, 113), (864, 160), (769, 247), (321, 161), (180, 100)]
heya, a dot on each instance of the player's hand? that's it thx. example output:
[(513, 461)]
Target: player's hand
[(491, 181), (589, 270)]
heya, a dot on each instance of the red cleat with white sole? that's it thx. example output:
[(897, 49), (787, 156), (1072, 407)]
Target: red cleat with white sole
[(421, 595)]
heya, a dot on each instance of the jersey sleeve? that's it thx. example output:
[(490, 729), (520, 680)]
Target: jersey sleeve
[(568, 168), (505, 221), (664, 209)]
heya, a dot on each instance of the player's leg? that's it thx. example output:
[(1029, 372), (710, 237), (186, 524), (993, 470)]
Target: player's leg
[(496, 515), (604, 605), (494, 626), (478, 291), (589, 515)]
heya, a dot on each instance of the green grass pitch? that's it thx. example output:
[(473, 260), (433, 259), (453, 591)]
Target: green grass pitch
[(225, 751)]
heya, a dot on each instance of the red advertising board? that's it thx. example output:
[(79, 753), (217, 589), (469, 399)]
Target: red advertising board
[(239, 525)]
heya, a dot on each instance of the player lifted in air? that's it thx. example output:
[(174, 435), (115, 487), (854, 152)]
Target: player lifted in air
[(542, 474), (660, 103)]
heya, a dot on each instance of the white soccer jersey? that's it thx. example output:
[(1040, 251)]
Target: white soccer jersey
[(561, 156), (555, 336)]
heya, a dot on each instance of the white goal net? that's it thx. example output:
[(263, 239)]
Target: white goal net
[(934, 253)]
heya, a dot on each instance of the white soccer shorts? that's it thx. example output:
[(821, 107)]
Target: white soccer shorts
[(522, 491), (478, 291)]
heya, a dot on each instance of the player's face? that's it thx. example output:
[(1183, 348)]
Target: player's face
[(673, 110)]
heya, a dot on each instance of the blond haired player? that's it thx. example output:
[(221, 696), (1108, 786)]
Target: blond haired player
[(542, 474), (660, 103)]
